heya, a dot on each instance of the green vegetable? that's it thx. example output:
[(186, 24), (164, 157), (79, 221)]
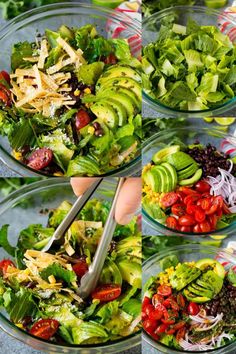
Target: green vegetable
[(4, 243), (232, 276), (19, 304), (151, 6), (89, 73), (58, 214), (82, 165), (88, 330), (132, 307), (59, 273)]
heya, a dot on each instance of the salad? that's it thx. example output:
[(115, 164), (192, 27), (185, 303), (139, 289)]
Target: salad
[(190, 188), (191, 305), (39, 290), (71, 105), (189, 67)]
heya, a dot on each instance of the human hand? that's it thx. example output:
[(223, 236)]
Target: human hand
[(129, 198)]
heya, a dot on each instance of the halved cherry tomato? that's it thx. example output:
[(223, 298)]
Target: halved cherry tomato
[(197, 229), (146, 301), (171, 222), (169, 199), (188, 191), (213, 219), (107, 292), (190, 208), (4, 264), (156, 315), (80, 268), (178, 209), (168, 321), (225, 209), (181, 196), (180, 334), (110, 59), (202, 186), (5, 95), (157, 299), (161, 328), (45, 329), (179, 325), (82, 119), (193, 308), (5, 76), (205, 226), (180, 300), (185, 229), (192, 198), (186, 220), (199, 215), (170, 331), (205, 203), (148, 309), (149, 325), (40, 158), (164, 290)]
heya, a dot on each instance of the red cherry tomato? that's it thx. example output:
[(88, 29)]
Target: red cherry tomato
[(168, 321), (45, 329), (4, 264), (40, 158), (202, 186), (191, 198), (205, 226), (181, 196), (5, 76), (185, 229), (156, 315), (107, 292), (146, 301), (80, 268), (178, 209), (199, 215), (171, 222), (169, 199), (164, 290), (179, 325), (186, 220), (190, 209), (161, 328), (148, 309), (225, 209), (180, 334), (170, 331), (5, 95), (213, 219), (110, 59), (188, 191), (82, 119), (180, 300), (197, 229), (157, 299), (149, 325), (205, 203), (193, 309)]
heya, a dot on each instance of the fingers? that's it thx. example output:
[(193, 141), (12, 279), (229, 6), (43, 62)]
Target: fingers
[(81, 184), (129, 200)]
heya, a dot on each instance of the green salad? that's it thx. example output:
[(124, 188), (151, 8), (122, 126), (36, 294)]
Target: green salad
[(189, 67), (39, 290), (71, 105)]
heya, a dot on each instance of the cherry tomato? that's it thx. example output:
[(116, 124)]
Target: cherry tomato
[(188, 191), (190, 209), (185, 229), (107, 292), (205, 226), (191, 198), (180, 300), (156, 315), (170, 331), (149, 325), (40, 158), (5, 76), (178, 209), (205, 203), (169, 199), (197, 229), (181, 196), (179, 325), (4, 264), (199, 215), (225, 209), (202, 186), (213, 219), (146, 301), (193, 309), (161, 328), (180, 334), (164, 290), (45, 329), (186, 220), (82, 119), (110, 59), (171, 222), (80, 268), (5, 95), (157, 299), (168, 321), (148, 309)]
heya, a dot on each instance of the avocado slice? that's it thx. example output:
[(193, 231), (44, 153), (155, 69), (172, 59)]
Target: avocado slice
[(172, 173), (205, 285), (161, 155), (191, 297), (106, 113), (127, 83), (130, 252), (119, 109), (184, 275), (197, 175), (197, 290), (122, 99), (110, 273), (165, 178), (131, 241), (136, 103), (153, 179), (131, 272), (215, 280), (180, 160), (187, 172), (213, 264), (119, 71)]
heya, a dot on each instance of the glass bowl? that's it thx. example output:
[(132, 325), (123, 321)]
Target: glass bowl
[(188, 136), (186, 253), (25, 206), (25, 27), (205, 17)]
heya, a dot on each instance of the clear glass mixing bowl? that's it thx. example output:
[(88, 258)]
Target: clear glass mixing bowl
[(152, 266), (188, 136), (25, 206), (205, 17), (25, 27)]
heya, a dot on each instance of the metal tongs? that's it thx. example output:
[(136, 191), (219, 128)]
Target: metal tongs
[(89, 281)]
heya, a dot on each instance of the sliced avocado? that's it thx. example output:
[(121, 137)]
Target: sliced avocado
[(195, 290), (213, 264), (163, 153), (198, 299), (114, 91), (127, 83), (119, 108), (187, 172), (122, 99), (137, 103), (130, 252), (214, 279), (204, 284), (119, 71), (197, 175), (110, 274), (153, 179), (166, 178), (183, 275), (180, 160), (106, 113), (131, 272), (131, 241), (173, 174)]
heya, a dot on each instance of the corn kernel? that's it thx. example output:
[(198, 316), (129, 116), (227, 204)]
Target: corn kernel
[(87, 90), (77, 92), (91, 130), (19, 325), (52, 279), (17, 155), (58, 174), (65, 85)]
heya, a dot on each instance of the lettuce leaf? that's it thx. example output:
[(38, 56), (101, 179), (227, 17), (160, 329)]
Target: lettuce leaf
[(59, 273), (4, 243)]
